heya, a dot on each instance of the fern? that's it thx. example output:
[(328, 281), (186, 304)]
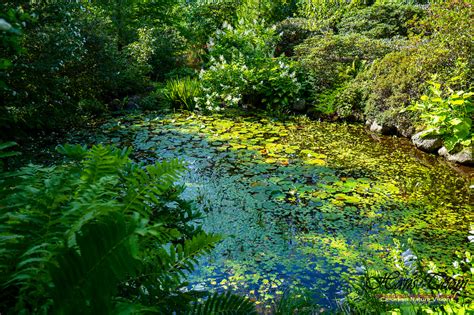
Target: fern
[(86, 276), (226, 304), (7, 145), (100, 235)]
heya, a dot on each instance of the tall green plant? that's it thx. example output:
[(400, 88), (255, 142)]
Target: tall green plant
[(181, 93)]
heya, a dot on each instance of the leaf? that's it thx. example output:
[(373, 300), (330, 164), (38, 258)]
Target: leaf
[(455, 121), (315, 162)]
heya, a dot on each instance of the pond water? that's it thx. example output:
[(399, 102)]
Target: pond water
[(302, 203)]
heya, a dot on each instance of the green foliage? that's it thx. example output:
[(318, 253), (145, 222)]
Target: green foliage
[(182, 93), (296, 302), (217, 304), (380, 20), (292, 32), (100, 234), (159, 49), (68, 56), (252, 41), (271, 84), (154, 101), (447, 114), (243, 72), (335, 59), (207, 16), (394, 82), (5, 152), (70, 53), (271, 11)]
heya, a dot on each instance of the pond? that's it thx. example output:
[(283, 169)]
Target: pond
[(301, 203)]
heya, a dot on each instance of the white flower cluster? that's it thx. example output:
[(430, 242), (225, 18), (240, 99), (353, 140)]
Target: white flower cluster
[(222, 85)]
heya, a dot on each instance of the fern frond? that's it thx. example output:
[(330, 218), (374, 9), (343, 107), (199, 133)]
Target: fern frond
[(102, 161), (7, 145), (224, 304), (146, 186), (76, 152), (88, 275), (183, 257)]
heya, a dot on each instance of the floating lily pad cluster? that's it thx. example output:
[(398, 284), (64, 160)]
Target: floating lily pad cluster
[(301, 203)]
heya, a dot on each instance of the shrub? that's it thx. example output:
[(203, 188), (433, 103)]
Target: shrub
[(349, 103), (205, 17), (380, 20), (398, 78), (292, 32), (91, 106), (159, 50), (272, 11), (243, 72), (332, 59), (251, 41), (152, 101), (100, 235), (271, 84), (447, 114), (68, 56)]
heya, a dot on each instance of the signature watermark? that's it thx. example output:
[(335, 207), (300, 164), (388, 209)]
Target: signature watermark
[(432, 281)]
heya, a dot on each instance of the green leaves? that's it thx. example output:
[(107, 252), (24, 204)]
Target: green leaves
[(85, 277), (181, 93), (79, 237), (7, 145), (448, 114), (227, 304)]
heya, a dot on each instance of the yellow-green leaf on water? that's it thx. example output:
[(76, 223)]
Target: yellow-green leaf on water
[(315, 162), (270, 161)]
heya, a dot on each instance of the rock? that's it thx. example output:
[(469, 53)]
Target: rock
[(375, 127), (382, 129), (428, 144), (115, 105), (4, 25), (133, 102), (406, 130), (462, 157), (299, 105)]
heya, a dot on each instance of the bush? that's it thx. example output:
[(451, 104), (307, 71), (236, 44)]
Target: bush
[(395, 82), (380, 20), (447, 114), (333, 59), (68, 56), (159, 50), (251, 41), (398, 78), (292, 33), (205, 17), (242, 70), (349, 103), (92, 106), (271, 84), (153, 101), (101, 235)]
